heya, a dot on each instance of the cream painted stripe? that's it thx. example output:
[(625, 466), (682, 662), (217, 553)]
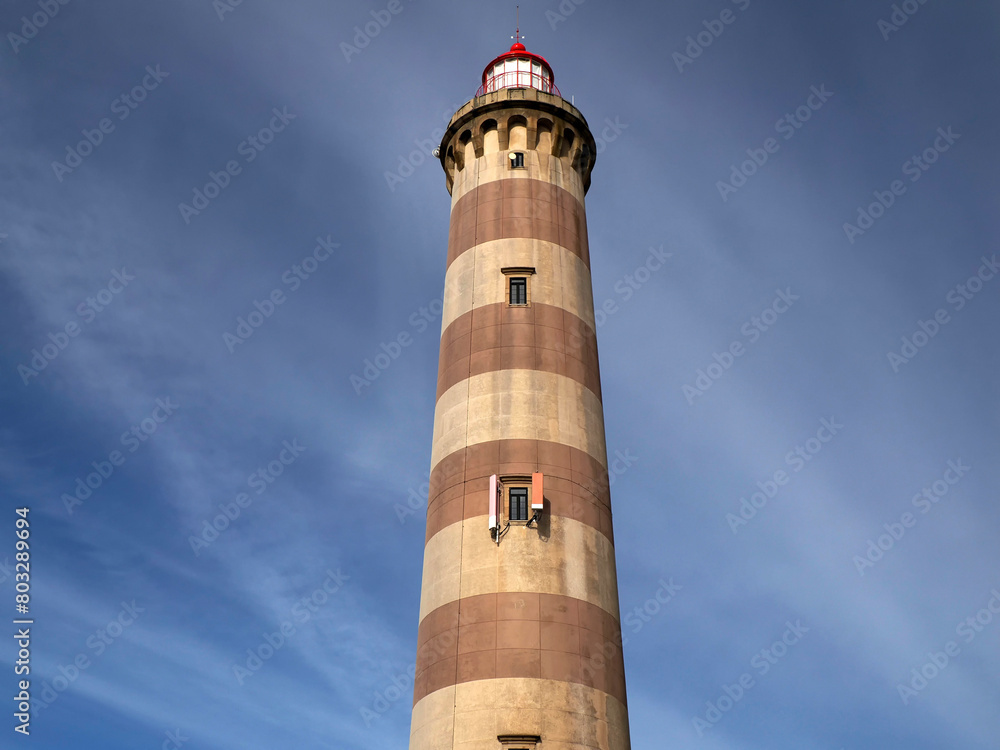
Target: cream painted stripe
[(496, 166), (519, 405), (566, 715), (462, 560), (561, 278)]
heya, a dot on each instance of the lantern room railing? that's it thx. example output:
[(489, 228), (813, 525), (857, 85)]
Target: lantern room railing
[(518, 79)]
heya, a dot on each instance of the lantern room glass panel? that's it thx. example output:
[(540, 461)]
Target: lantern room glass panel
[(518, 72)]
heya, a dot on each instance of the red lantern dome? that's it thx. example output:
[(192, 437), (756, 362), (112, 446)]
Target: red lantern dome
[(518, 69)]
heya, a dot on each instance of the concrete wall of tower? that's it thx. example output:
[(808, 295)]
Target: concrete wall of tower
[(521, 637)]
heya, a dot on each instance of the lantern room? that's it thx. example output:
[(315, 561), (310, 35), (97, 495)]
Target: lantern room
[(518, 69)]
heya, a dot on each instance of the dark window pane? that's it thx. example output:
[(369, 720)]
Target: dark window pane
[(518, 290), (518, 160), (518, 504)]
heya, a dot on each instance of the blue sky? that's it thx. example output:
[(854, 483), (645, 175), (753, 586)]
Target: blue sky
[(120, 311)]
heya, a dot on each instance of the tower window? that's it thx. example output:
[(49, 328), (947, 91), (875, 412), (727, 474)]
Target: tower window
[(518, 290), (518, 504), (517, 280), (517, 160), (519, 741)]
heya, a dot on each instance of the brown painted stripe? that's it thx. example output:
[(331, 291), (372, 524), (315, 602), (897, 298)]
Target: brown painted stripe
[(575, 484), (505, 209), (502, 337), (514, 634)]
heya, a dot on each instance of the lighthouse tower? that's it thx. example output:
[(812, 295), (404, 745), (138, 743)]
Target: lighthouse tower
[(519, 643)]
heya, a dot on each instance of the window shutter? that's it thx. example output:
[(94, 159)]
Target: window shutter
[(495, 489), (537, 501)]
